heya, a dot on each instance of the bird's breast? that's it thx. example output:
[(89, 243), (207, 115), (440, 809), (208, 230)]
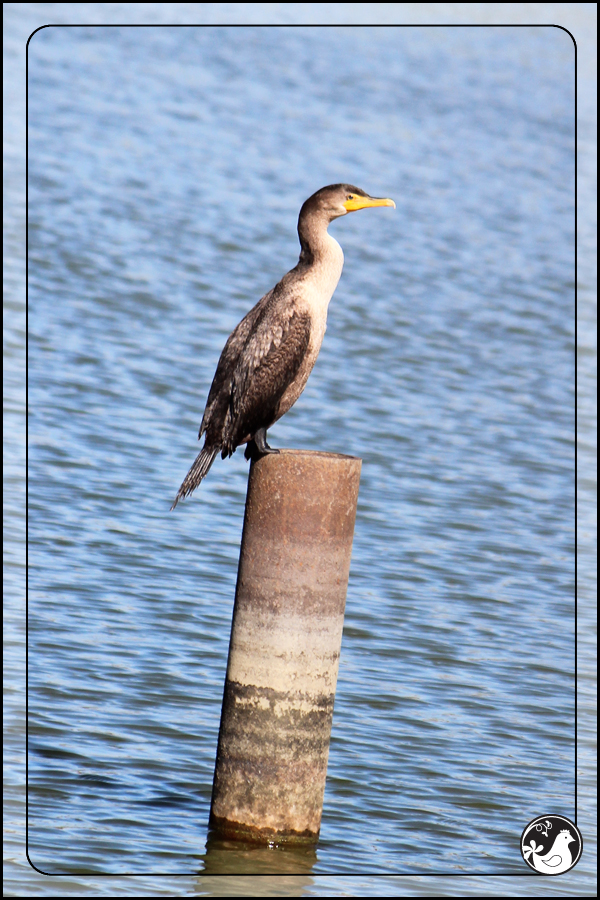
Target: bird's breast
[(320, 281), (313, 296)]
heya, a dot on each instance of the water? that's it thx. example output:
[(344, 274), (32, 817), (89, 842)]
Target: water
[(166, 170)]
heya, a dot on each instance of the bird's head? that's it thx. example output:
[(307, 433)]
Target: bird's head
[(336, 200)]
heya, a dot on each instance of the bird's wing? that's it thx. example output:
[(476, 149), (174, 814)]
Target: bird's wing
[(553, 861), (219, 396), (267, 366)]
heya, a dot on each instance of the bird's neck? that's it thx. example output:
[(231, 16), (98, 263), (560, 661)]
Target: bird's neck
[(320, 256)]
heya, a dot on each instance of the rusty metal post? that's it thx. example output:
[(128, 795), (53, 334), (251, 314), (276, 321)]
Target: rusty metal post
[(284, 649)]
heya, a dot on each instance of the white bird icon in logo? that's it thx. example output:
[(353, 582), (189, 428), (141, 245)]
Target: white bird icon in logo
[(557, 860)]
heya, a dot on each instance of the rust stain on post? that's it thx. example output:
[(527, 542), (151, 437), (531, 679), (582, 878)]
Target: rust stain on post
[(285, 646)]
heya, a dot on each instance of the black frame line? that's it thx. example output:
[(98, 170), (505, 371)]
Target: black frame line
[(197, 874)]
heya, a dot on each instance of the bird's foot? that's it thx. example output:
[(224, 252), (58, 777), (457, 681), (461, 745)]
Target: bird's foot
[(258, 446), (260, 439)]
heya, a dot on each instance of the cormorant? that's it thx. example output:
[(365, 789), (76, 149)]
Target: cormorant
[(268, 357)]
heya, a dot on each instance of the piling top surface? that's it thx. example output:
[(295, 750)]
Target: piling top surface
[(318, 453)]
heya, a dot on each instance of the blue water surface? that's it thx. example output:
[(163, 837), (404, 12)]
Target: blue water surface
[(167, 166)]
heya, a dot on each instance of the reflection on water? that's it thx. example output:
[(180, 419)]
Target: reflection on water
[(238, 869), (167, 168), (237, 857), (253, 885)]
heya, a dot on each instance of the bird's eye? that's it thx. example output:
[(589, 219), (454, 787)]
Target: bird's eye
[(350, 197)]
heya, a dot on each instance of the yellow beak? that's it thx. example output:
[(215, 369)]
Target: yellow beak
[(359, 202)]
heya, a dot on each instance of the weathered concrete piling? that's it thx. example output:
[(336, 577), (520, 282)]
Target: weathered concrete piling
[(285, 646)]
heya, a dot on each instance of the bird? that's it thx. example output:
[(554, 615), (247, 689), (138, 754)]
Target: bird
[(269, 355), (557, 860)]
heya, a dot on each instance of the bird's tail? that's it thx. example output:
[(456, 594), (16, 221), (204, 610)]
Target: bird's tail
[(202, 464)]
